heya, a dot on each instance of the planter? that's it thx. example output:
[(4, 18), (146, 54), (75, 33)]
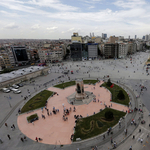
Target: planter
[(32, 118)]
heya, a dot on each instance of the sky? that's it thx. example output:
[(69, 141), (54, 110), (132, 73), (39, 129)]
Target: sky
[(54, 19)]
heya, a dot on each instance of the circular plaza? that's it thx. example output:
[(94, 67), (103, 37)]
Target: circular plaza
[(54, 129)]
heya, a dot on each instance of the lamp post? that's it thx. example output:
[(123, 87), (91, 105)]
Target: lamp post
[(8, 100)]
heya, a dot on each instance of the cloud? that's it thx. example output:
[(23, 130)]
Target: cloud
[(11, 26), (36, 26), (130, 3), (55, 4), (51, 28)]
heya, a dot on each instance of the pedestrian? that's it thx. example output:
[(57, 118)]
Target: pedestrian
[(36, 139), (103, 136), (111, 140), (141, 140), (25, 139), (6, 125), (133, 136), (21, 139), (130, 148), (1, 141), (14, 126), (148, 135), (139, 130), (8, 136)]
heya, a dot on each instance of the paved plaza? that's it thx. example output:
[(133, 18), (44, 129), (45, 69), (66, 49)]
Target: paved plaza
[(129, 74), (53, 129)]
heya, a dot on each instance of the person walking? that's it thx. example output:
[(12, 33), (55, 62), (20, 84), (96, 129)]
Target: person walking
[(21, 139), (8, 136), (6, 125), (36, 139), (1, 141), (14, 126)]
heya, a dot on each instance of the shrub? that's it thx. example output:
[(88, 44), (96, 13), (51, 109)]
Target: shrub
[(109, 115), (121, 95)]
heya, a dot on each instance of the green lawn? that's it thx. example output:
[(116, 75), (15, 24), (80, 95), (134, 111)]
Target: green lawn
[(71, 83), (115, 90), (37, 101), (86, 129)]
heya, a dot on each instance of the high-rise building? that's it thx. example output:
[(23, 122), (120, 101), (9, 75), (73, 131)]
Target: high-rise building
[(104, 35), (135, 36), (92, 50)]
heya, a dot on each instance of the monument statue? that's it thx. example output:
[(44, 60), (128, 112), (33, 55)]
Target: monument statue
[(80, 90)]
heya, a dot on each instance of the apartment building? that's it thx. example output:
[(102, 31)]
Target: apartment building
[(92, 50), (113, 39), (110, 50), (122, 50)]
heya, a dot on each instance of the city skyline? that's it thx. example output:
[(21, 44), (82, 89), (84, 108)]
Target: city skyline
[(54, 19)]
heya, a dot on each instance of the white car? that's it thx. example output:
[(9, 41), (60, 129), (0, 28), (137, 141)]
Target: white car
[(15, 86), (5, 90), (16, 91)]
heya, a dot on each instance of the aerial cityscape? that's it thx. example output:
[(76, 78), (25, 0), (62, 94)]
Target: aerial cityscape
[(74, 75)]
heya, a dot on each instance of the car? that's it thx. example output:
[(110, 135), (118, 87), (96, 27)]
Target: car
[(5, 90), (16, 91), (15, 86), (11, 88), (20, 84)]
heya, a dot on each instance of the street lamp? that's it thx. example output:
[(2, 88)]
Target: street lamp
[(8, 100)]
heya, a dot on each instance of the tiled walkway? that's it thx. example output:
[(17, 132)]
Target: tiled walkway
[(53, 129)]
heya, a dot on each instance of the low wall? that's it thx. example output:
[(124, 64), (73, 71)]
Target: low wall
[(24, 78)]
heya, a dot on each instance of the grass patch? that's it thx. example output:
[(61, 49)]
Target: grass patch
[(90, 81), (37, 101), (32, 117), (114, 91), (94, 125), (66, 84), (71, 83)]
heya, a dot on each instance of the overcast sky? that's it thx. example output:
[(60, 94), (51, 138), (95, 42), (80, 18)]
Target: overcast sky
[(54, 19)]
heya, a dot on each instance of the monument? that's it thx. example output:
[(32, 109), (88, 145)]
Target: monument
[(80, 94)]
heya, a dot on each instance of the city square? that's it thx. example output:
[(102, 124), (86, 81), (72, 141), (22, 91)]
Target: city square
[(79, 72)]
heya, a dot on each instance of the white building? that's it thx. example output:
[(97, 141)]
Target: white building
[(122, 50), (92, 50)]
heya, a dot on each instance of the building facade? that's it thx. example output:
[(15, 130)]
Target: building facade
[(92, 50)]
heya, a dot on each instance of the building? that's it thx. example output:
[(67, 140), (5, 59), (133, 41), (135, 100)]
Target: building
[(76, 38), (104, 35), (113, 39), (111, 50), (92, 50), (76, 51), (20, 55), (98, 39), (4, 62), (122, 50)]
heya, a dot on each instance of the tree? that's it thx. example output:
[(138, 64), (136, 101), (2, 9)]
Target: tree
[(121, 95), (109, 83), (109, 115)]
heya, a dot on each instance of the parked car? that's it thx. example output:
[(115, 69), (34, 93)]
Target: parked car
[(15, 86), (5, 90), (20, 84), (16, 91)]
